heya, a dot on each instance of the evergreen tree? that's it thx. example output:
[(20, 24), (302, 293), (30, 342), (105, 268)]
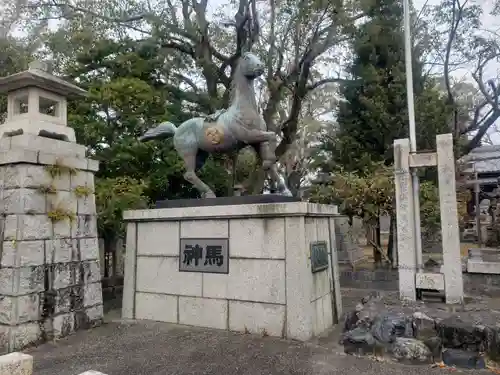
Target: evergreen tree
[(374, 110)]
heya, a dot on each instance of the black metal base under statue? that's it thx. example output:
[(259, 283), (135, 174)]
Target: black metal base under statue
[(226, 201)]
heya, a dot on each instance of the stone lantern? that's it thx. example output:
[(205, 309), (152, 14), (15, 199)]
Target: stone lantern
[(37, 103), (48, 209)]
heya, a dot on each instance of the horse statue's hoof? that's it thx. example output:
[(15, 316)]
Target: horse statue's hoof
[(209, 194), (286, 193)]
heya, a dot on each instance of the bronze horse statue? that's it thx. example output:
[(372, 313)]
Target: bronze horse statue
[(235, 128)]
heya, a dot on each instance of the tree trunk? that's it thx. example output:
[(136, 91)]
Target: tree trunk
[(110, 248)]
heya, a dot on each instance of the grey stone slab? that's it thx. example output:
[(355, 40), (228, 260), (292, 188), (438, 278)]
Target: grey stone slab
[(226, 201)]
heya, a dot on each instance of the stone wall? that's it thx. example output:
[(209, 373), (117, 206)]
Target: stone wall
[(50, 283), (475, 284)]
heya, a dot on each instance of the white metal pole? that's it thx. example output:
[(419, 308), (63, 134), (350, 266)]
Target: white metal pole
[(412, 133)]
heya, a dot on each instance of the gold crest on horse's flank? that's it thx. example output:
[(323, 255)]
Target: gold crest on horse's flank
[(214, 135)]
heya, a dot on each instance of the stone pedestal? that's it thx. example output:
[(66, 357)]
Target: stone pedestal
[(269, 287), (49, 275)]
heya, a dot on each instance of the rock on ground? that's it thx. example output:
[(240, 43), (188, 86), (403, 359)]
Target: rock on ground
[(418, 332)]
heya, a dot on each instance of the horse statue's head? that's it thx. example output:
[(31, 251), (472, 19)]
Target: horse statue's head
[(250, 66)]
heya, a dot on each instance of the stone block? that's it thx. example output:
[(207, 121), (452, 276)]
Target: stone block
[(18, 157), (25, 176), (24, 335), (84, 226), (203, 312), (16, 364), (218, 212), (258, 318), (4, 339), (89, 248), (20, 281), (22, 309), (62, 277), (27, 227), (258, 280), (257, 238), (92, 165), (205, 229), (62, 200), (62, 228), (161, 275), (92, 294), (428, 280), (479, 266), (129, 277), (94, 315), (158, 238), (320, 285), (23, 201), (61, 250), (82, 178), (86, 205), (298, 281), (67, 161), (158, 307), (322, 313), (10, 227), (64, 300), (63, 324), (37, 143), (23, 253), (76, 297), (91, 271)]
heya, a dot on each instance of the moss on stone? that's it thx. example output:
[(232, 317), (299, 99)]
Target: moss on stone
[(59, 214), (82, 191), (47, 189), (58, 169)]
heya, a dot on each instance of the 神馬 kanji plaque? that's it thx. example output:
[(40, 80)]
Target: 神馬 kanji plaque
[(210, 255)]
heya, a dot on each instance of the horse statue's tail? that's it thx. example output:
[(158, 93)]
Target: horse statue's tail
[(164, 130)]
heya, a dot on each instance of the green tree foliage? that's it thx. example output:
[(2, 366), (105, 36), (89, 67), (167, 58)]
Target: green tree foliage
[(374, 110), (372, 115), (370, 193), (113, 196), (128, 95), (14, 56)]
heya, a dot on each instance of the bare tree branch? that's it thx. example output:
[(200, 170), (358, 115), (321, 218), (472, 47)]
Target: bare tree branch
[(325, 81)]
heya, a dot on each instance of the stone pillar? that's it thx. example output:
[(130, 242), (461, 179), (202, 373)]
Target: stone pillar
[(454, 287), (49, 276), (405, 219)]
